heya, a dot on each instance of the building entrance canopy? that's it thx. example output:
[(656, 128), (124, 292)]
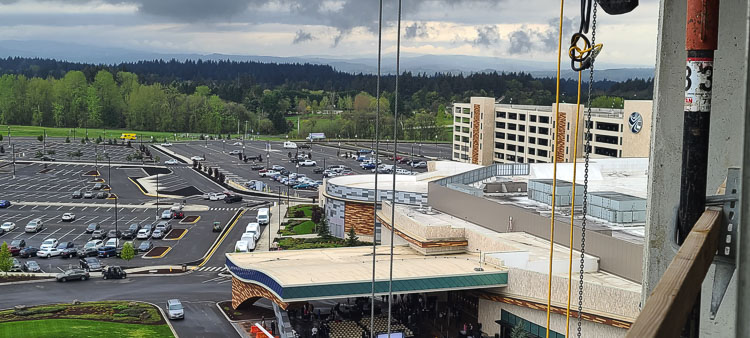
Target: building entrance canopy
[(302, 275)]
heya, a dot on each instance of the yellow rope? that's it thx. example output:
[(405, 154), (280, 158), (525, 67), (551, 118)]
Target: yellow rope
[(573, 203), (554, 167)]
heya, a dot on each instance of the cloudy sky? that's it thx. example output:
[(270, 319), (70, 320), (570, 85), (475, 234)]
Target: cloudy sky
[(520, 29)]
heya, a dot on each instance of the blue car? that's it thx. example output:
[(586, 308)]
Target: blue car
[(368, 166), (364, 151), (107, 251), (4, 204), (361, 158)]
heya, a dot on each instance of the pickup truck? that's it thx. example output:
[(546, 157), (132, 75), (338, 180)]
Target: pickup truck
[(268, 173)]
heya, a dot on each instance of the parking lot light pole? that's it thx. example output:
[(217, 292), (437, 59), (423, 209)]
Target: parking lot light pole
[(157, 195), (269, 222), (13, 152)]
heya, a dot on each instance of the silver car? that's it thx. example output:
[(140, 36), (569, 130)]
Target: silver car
[(175, 310)]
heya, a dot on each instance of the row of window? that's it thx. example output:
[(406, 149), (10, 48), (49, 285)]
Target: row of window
[(521, 117)]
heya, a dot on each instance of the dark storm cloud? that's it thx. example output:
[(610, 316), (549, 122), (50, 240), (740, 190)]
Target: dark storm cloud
[(416, 30), (520, 42), (301, 37), (486, 36)]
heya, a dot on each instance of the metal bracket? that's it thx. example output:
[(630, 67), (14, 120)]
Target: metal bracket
[(727, 249)]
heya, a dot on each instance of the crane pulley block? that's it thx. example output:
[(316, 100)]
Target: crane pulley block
[(616, 7)]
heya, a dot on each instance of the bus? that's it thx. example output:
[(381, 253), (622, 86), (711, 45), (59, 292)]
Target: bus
[(128, 137)]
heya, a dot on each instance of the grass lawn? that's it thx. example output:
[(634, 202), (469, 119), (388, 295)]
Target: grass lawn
[(34, 131), (305, 228), (79, 328), (306, 208)]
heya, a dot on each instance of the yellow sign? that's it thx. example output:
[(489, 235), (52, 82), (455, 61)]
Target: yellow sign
[(128, 137)]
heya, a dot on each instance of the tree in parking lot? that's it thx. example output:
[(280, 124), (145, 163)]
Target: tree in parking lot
[(128, 252), (6, 259)]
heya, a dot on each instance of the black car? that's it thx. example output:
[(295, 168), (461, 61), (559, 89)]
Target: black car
[(114, 233), (98, 186), (72, 274), (303, 146), (68, 249), (92, 227), (31, 266), (232, 198), (284, 172), (318, 170), (102, 195), (77, 194), (256, 167), (28, 251), (114, 272), (91, 264), (131, 232), (48, 158)]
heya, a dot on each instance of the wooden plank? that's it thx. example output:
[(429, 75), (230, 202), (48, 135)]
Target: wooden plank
[(668, 305)]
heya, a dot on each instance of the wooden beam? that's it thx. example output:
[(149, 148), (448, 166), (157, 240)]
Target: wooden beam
[(667, 307)]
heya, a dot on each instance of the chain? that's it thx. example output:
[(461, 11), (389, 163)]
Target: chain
[(587, 155)]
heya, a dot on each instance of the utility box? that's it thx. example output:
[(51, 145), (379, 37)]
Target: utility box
[(540, 190)]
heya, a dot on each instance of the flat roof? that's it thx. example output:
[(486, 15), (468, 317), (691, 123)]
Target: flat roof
[(295, 275)]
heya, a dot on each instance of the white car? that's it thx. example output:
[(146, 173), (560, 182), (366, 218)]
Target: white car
[(166, 144), (197, 158), (34, 225), (207, 196), (48, 252), (166, 214), (277, 167), (235, 152), (171, 162), (290, 145), (49, 243), (68, 217), (8, 226), (216, 196), (307, 163), (143, 234), (268, 173), (237, 143), (115, 242)]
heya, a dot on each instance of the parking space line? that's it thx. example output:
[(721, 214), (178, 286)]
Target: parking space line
[(60, 207), (63, 236), (47, 207), (76, 238)]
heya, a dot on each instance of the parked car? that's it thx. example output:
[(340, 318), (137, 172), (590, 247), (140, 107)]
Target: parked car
[(207, 195), (72, 274), (178, 214), (114, 272), (305, 186), (48, 252), (197, 158), (166, 144), (307, 163), (34, 225), (115, 242), (68, 217), (92, 227), (67, 249), (91, 248), (102, 195), (145, 246), (4, 203), (16, 266), (28, 251), (257, 167), (98, 234), (284, 172), (8, 226), (235, 152), (98, 186), (172, 162), (49, 243), (367, 165), (166, 214), (90, 264), (420, 164), (47, 158), (77, 194), (143, 234), (277, 167), (241, 246), (16, 246), (158, 234), (107, 251), (215, 196), (268, 173), (114, 233), (131, 232), (318, 170), (31, 266), (88, 194), (232, 198)]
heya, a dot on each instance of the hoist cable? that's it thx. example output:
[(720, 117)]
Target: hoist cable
[(555, 150), (573, 205), (587, 156), (377, 151), (395, 152)]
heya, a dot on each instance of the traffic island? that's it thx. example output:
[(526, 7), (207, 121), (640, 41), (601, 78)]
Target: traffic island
[(175, 234), (92, 173), (157, 252), (190, 220)]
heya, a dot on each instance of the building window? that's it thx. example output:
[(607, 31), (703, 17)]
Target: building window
[(511, 126), (511, 147), (520, 159), (500, 125), (521, 127), (532, 129), (499, 145), (607, 126), (532, 140), (457, 138), (532, 151), (520, 149), (509, 321), (620, 140), (458, 128), (520, 138), (466, 110), (543, 131), (500, 156), (455, 155), (543, 119), (542, 153), (606, 139), (500, 115), (532, 118), (543, 142), (512, 116), (511, 137), (567, 138), (531, 160), (500, 135), (568, 126), (456, 147), (566, 150), (522, 117)]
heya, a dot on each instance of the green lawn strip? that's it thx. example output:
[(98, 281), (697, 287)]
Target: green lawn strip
[(306, 208), (289, 243), (305, 228), (93, 133), (79, 328), (114, 311)]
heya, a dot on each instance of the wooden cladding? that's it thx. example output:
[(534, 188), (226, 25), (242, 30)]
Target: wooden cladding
[(475, 119), (360, 216), (560, 137), (242, 292)]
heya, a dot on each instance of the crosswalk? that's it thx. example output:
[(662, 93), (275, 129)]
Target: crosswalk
[(224, 209), (212, 268)]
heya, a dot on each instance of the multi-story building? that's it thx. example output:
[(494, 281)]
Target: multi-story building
[(485, 132)]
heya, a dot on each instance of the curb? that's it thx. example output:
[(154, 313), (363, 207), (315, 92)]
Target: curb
[(231, 322), (166, 319), (160, 256), (29, 281), (220, 239), (178, 238)]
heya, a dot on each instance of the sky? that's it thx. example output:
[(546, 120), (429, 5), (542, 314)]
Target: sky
[(518, 29)]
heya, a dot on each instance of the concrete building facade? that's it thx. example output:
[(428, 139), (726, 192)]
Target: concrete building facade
[(485, 132)]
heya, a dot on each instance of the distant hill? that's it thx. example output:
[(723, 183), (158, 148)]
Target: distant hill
[(424, 64)]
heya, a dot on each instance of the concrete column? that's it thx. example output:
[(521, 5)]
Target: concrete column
[(666, 148)]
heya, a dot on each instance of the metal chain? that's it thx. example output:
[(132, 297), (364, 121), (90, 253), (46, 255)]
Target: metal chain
[(587, 155)]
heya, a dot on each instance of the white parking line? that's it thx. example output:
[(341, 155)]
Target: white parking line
[(60, 207), (97, 209), (68, 233), (47, 207)]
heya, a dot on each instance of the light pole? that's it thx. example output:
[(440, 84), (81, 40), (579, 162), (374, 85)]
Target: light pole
[(8, 134), (157, 195), (269, 222), (109, 183), (44, 140), (13, 150), (223, 143), (96, 158)]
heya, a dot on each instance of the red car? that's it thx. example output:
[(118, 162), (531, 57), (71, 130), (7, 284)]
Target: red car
[(178, 214), (16, 246)]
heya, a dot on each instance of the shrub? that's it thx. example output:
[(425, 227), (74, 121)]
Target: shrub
[(51, 152), (39, 310), (299, 213), (83, 141), (67, 139), (40, 138)]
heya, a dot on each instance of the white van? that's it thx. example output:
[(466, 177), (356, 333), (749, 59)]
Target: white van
[(290, 145), (241, 246), (264, 215), (253, 228), (246, 237)]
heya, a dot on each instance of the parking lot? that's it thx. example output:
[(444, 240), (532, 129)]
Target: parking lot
[(26, 148)]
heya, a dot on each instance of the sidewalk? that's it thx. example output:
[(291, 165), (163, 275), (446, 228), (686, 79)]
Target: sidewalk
[(273, 226)]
